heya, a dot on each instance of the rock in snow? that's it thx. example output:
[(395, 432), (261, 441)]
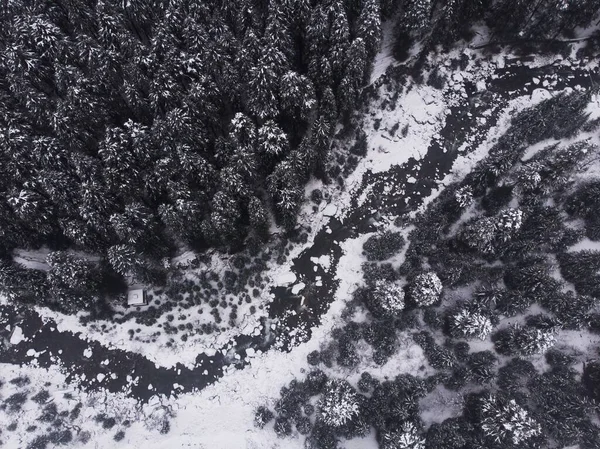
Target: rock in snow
[(330, 210), (286, 278), (298, 288), (17, 336)]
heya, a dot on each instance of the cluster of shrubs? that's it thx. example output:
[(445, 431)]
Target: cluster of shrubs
[(54, 427)]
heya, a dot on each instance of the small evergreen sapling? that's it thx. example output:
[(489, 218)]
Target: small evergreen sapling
[(426, 289)]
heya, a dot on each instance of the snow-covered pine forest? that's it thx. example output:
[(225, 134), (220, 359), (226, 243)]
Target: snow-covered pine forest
[(356, 224)]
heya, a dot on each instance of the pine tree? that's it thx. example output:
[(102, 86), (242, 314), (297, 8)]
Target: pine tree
[(286, 192), (136, 222), (426, 289), (225, 216), (464, 197), (524, 341), (272, 141), (369, 26), (125, 260), (297, 95), (263, 81), (339, 37), (339, 404), (508, 224), (356, 67), (259, 217), (33, 209), (504, 421), (407, 437), (468, 324), (480, 234), (417, 15), (389, 296), (71, 272)]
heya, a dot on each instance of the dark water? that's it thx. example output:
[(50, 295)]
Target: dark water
[(43, 337)]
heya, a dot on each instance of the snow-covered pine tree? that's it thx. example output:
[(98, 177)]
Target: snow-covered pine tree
[(297, 95), (369, 26), (524, 341), (124, 260), (508, 223), (466, 324), (479, 235), (33, 209), (407, 437), (464, 196), (243, 130), (286, 192), (272, 141), (389, 296), (71, 272), (417, 15), (339, 37), (357, 63), (528, 177), (339, 404), (263, 81), (259, 217), (225, 216), (506, 422), (136, 222), (426, 289)]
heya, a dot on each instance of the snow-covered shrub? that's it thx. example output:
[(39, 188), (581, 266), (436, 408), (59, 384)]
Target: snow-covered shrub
[(468, 324), (375, 271), (383, 246), (464, 196), (315, 382), (523, 341), (449, 434), (339, 404), (303, 425), (283, 426), (389, 297), (291, 399), (426, 289), (505, 421), (407, 437)]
